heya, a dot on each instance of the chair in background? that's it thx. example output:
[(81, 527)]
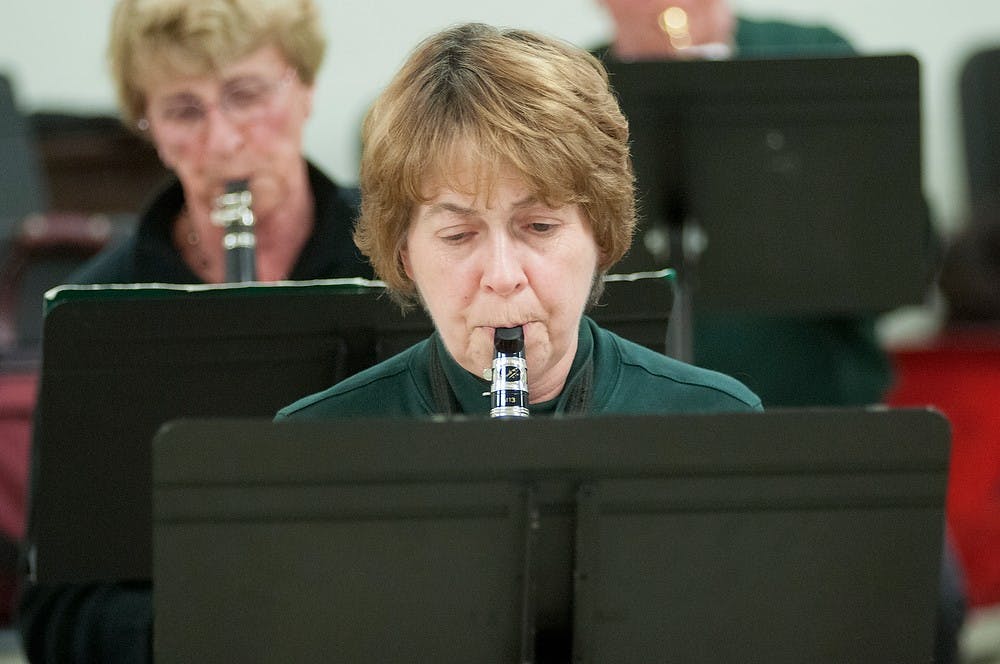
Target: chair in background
[(958, 371), (980, 103), (959, 374), (23, 190), (42, 251), (38, 248), (94, 164), (970, 273)]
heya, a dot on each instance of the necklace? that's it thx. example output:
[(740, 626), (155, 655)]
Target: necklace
[(190, 240), (209, 264)]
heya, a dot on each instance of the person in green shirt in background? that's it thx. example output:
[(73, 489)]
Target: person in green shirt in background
[(789, 362), (709, 29)]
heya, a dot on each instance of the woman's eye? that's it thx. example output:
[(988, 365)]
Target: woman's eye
[(246, 96), (185, 113), (455, 238)]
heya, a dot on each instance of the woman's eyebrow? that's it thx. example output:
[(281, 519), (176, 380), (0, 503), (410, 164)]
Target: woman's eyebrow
[(454, 208)]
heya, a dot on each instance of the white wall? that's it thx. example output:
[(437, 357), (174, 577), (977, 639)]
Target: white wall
[(54, 49)]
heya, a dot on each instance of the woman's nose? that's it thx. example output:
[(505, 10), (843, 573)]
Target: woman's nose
[(502, 271), (222, 134)]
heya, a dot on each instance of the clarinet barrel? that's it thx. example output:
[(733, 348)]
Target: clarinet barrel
[(233, 212), (509, 389)]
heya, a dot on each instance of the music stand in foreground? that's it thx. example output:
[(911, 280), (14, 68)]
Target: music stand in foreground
[(785, 537)]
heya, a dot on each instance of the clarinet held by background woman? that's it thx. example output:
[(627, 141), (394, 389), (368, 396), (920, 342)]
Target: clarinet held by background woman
[(234, 214)]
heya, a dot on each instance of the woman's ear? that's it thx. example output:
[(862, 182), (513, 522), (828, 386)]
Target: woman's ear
[(404, 258), (308, 100)]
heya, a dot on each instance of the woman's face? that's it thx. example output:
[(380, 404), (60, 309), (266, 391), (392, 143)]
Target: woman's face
[(244, 122), (500, 257)]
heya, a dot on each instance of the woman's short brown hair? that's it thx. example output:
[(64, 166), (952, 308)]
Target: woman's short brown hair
[(197, 37), (514, 99)]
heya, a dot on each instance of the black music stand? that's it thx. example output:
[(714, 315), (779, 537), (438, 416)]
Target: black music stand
[(780, 187), (120, 361), (785, 537)]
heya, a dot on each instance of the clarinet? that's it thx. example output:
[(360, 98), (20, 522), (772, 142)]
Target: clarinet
[(509, 389), (232, 212)]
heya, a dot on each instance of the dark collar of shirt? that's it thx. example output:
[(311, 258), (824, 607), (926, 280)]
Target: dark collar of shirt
[(329, 253)]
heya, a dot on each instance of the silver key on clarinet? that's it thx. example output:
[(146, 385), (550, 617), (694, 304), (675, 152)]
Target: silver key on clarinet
[(233, 213)]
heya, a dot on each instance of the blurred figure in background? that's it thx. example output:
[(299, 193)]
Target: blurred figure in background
[(685, 29), (788, 362), (223, 89)]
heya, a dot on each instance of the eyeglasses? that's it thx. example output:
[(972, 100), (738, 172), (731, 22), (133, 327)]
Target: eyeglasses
[(243, 101)]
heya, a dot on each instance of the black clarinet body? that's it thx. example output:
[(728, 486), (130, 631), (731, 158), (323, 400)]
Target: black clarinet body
[(509, 388), (233, 212)]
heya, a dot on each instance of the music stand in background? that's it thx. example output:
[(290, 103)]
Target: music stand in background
[(779, 187), (118, 362), (781, 537)]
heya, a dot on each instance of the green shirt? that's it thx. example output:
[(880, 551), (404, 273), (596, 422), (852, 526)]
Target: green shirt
[(627, 378), (769, 39)]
